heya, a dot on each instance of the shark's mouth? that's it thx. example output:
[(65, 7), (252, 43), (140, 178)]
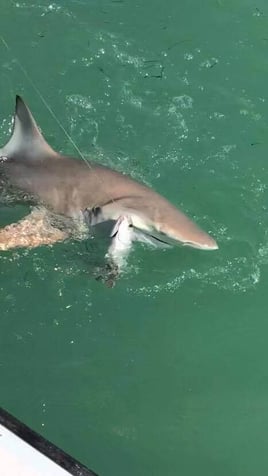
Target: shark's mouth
[(162, 240), (154, 238)]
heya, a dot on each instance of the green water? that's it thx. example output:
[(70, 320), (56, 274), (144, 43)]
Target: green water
[(165, 374)]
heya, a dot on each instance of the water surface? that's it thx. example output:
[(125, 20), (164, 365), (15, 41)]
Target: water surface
[(167, 372)]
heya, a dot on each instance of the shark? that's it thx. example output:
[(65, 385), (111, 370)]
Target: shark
[(69, 194)]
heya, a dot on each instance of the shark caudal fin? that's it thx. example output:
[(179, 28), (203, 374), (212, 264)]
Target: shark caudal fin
[(26, 141)]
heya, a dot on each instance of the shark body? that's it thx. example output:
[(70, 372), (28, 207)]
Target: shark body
[(75, 189)]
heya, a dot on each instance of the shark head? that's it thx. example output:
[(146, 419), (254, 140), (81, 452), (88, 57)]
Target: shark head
[(170, 226), (192, 237), (186, 233)]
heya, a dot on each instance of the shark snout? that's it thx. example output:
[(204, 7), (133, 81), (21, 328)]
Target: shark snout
[(209, 244), (187, 233)]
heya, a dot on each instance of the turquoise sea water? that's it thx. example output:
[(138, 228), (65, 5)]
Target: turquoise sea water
[(165, 374)]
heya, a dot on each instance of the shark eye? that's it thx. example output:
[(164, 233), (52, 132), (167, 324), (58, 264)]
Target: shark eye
[(130, 225)]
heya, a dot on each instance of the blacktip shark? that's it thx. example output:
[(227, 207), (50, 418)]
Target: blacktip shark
[(79, 190)]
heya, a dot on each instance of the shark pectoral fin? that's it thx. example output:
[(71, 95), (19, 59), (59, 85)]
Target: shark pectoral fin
[(117, 226), (32, 231), (115, 229)]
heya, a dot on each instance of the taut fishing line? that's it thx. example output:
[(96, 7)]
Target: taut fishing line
[(40, 95)]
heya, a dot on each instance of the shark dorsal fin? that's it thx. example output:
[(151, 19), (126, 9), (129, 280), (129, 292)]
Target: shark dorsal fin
[(26, 141)]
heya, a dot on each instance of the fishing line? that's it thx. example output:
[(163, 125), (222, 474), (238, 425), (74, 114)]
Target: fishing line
[(38, 92), (41, 97)]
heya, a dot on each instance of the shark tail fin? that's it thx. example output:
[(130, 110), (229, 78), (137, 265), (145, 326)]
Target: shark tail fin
[(26, 140)]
